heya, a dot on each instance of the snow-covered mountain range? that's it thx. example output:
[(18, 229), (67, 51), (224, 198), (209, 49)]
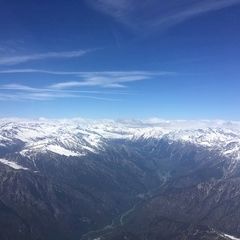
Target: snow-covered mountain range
[(86, 179), (77, 137)]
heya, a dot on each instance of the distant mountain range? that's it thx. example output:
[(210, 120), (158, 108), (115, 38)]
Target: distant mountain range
[(126, 179)]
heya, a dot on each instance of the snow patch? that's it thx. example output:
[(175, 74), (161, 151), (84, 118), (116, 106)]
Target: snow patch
[(12, 165), (231, 237), (61, 151)]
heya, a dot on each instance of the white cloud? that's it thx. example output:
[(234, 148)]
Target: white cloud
[(106, 79), (109, 79), (17, 87), (77, 89), (64, 85), (83, 73), (18, 92), (157, 14), (13, 60)]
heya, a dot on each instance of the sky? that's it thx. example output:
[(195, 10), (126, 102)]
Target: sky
[(120, 59)]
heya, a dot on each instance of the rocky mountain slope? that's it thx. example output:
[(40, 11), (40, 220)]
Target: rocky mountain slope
[(85, 179)]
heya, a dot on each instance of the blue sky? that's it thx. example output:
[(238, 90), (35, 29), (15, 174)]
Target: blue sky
[(120, 59)]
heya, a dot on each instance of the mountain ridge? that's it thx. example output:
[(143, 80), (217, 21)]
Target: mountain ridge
[(85, 176)]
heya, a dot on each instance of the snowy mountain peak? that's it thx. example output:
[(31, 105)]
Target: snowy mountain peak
[(77, 137)]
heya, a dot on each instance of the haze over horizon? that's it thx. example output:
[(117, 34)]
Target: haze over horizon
[(120, 59)]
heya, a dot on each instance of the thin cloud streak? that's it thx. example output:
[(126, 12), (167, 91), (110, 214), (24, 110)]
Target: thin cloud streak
[(118, 79), (157, 14), (191, 12), (105, 79), (18, 92), (84, 73), (101, 81), (24, 88), (13, 60), (49, 97), (72, 89)]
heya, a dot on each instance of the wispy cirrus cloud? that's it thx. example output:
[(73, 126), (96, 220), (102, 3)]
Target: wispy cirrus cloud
[(106, 79), (19, 92), (157, 14), (80, 87), (43, 96), (17, 59), (48, 88)]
